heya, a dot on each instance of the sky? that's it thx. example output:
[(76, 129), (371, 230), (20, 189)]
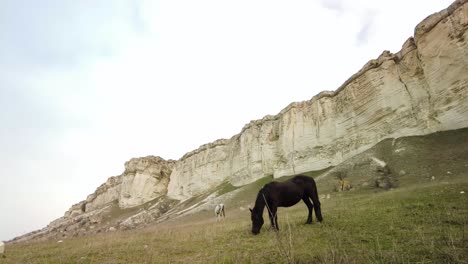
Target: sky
[(86, 85)]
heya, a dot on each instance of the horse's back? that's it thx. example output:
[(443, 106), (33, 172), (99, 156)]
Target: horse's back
[(303, 179), (219, 208)]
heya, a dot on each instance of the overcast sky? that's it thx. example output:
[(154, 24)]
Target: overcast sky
[(87, 85)]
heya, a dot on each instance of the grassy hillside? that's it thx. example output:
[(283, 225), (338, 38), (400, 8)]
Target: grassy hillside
[(419, 220)]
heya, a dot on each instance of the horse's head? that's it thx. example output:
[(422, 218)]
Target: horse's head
[(257, 221)]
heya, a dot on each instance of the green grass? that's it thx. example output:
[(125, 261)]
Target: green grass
[(315, 174), (419, 224), (226, 188), (420, 221)]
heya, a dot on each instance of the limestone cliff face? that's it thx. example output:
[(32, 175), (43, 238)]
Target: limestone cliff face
[(419, 90), (104, 194), (143, 180)]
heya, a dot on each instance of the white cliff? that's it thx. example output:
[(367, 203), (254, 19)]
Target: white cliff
[(143, 180), (419, 90)]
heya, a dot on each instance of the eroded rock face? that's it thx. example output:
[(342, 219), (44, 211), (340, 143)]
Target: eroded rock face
[(104, 194), (419, 90), (144, 179)]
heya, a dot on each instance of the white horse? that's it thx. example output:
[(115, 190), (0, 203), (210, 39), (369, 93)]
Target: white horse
[(219, 212), (2, 249)]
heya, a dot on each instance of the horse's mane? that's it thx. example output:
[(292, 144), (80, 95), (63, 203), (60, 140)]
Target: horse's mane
[(260, 201)]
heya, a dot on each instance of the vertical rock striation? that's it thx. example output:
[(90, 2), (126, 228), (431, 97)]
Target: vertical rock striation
[(419, 90), (143, 180)]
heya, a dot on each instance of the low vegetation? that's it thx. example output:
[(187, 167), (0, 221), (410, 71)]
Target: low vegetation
[(424, 224), (423, 220)]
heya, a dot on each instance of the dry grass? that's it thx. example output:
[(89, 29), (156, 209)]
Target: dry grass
[(424, 224), (422, 221)]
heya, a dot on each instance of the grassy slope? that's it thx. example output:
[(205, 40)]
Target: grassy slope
[(420, 221)]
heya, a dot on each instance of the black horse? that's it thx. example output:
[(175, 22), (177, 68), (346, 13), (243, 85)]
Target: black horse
[(285, 194)]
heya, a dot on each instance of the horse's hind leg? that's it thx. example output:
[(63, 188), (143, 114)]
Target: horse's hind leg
[(273, 218), (318, 211), (310, 206), (313, 194)]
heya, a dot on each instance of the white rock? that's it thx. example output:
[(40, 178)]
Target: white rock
[(412, 92), (135, 220), (399, 150), (379, 162), (144, 179)]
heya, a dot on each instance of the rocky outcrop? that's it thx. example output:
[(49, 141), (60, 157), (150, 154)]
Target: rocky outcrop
[(418, 90), (144, 179), (104, 194)]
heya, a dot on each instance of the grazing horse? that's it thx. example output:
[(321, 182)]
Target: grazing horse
[(285, 194), (219, 212), (2, 249)]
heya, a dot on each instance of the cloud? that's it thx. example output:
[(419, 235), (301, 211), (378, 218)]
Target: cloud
[(335, 5), (51, 33), (366, 29)]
